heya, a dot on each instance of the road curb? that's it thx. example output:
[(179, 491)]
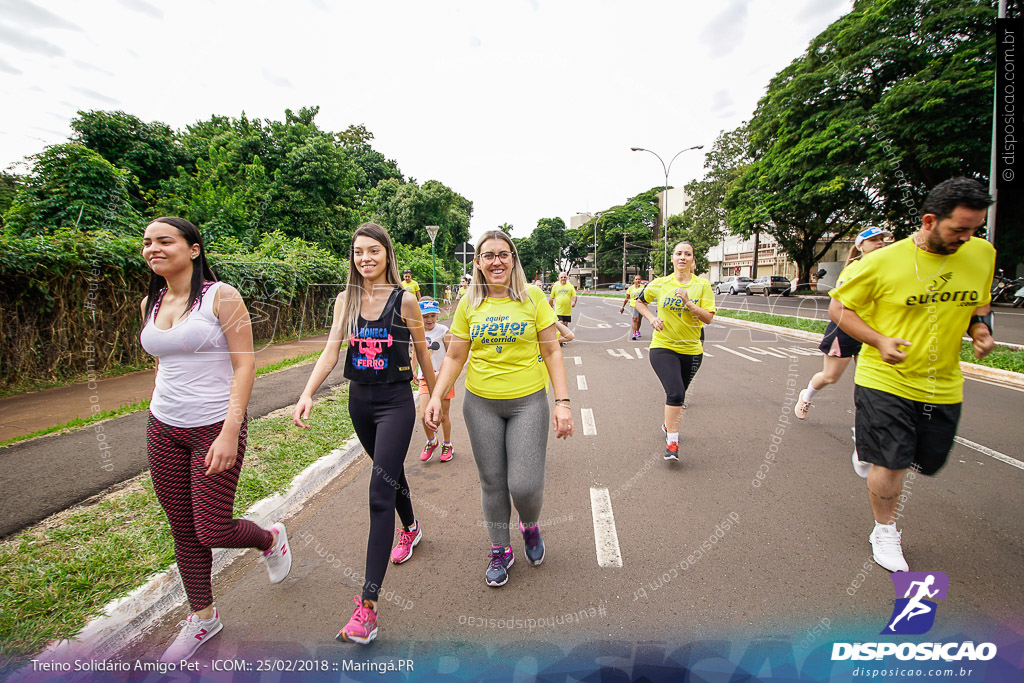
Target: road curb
[(972, 370), (126, 620)]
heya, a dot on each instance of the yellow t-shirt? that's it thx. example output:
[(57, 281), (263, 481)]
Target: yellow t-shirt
[(632, 291), (927, 299), (412, 287), (462, 290), (503, 344), (563, 294), (682, 328)]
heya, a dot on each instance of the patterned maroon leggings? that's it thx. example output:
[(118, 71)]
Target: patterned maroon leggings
[(199, 507)]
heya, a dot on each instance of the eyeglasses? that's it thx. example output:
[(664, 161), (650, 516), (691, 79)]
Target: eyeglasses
[(488, 257)]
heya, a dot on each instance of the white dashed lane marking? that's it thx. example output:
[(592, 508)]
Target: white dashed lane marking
[(606, 540), (581, 382), (579, 361), (589, 426), (741, 355)]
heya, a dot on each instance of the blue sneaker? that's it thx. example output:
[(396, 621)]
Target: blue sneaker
[(497, 568), (534, 543)]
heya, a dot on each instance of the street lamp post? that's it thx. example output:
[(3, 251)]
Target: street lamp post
[(664, 213), (432, 231), (598, 216)]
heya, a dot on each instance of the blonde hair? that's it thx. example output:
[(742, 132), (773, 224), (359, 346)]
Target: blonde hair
[(850, 258), (355, 284), (478, 285)]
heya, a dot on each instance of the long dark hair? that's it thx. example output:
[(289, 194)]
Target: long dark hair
[(354, 285), (201, 271)]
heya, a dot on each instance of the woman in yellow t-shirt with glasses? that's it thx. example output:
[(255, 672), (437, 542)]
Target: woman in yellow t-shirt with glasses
[(506, 323), (685, 306)]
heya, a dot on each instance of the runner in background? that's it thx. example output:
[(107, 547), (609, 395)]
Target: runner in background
[(910, 304), (410, 285), (839, 348), (506, 322), (563, 298), (631, 294), (380, 321), (438, 340), (199, 331), (685, 304)]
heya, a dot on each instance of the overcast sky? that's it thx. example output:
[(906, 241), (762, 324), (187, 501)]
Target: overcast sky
[(526, 107)]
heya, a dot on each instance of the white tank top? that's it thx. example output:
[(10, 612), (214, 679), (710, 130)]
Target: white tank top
[(193, 380)]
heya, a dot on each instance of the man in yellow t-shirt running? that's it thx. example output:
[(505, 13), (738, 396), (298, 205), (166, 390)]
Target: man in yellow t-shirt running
[(910, 304), (563, 298), (632, 292), (410, 285)]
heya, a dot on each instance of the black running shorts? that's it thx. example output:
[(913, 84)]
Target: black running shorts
[(837, 343), (898, 433)]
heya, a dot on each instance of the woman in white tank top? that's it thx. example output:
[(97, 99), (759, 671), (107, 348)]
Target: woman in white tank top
[(199, 331)]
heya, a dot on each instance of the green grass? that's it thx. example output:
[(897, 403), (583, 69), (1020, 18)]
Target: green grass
[(791, 322), (56, 575), (28, 386), (80, 422), (1001, 357)]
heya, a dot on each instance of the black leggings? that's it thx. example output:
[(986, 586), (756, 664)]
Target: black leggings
[(383, 416), (676, 371)]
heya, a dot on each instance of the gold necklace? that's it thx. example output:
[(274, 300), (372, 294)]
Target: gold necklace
[(917, 270)]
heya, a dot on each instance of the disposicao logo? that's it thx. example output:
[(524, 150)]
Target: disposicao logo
[(914, 614)]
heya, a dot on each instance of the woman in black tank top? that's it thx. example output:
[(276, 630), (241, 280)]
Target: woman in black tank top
[(377, 318)]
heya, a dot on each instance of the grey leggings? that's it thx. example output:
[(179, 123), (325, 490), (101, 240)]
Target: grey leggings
[(510, 441)]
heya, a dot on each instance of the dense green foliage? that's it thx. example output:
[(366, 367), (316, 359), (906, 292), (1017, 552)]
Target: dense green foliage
[(70, 300), (276, 202)]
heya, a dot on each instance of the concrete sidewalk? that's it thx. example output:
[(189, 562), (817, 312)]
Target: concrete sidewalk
[(28, 413)]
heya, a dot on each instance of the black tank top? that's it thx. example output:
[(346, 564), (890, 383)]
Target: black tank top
[(378, 351)]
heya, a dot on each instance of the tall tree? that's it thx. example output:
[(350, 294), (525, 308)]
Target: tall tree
[(824, 136), (150, 151), (71, 185)]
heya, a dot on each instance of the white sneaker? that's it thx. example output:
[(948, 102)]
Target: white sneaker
[(861, 468), (802, 406), (279, 557), (194, 632), (886, 548)]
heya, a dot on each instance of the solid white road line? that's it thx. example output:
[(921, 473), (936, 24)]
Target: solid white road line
[(990, 453), (741, 355), (606, 540), (589, 426), (581, 382)]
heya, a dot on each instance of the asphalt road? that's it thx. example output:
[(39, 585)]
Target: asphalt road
[(708, 551), (1009, 322), (49, 474)]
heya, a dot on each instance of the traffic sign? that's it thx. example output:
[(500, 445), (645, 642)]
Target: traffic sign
[(464, 253)]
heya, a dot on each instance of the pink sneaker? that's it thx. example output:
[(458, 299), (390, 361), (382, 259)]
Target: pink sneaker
[(428, 451), (447, 452), (407, 540), (362, 627)]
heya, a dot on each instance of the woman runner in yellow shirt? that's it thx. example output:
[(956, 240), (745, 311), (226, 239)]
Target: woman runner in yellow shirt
[(685, 305), (506, 323)]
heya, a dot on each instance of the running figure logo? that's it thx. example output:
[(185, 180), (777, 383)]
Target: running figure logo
[(914, 613)]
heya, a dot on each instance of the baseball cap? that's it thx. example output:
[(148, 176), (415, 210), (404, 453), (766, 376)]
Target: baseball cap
[(869, 233), (429, 307)]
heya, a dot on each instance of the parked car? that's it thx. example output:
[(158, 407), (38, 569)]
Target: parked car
[(734, 284), (770, 284)]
